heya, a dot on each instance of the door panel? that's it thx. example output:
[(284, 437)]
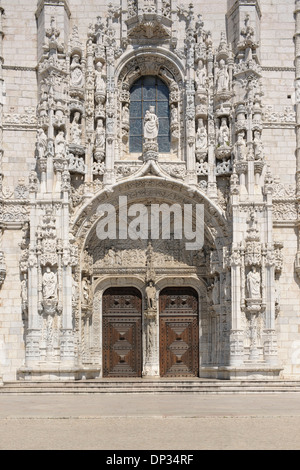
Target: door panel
[(122, 332), (179, 333)]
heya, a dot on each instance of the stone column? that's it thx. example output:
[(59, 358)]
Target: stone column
[(297, 91)]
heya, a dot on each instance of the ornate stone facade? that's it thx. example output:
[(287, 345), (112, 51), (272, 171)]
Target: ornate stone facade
[(220, 139)]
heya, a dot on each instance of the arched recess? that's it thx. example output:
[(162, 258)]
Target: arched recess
[(166, 66), (129, 265)]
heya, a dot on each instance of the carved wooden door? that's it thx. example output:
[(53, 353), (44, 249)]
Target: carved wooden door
[(179, 332), (122, 332)]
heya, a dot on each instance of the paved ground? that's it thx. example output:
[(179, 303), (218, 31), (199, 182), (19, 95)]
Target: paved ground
[(150, 422)]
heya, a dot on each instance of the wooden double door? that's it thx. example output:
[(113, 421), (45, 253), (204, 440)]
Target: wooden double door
[(178, 332)]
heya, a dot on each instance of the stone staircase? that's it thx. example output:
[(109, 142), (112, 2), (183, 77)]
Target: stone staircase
[(151, 386)]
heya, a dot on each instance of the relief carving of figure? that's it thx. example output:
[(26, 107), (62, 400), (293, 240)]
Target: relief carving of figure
[(49, 284), (77, 79), (222, 77), (76, 132), (41, 143), (253, 284), (151, 124), (201, 136)]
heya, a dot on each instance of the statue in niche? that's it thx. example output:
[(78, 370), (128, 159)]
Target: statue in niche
[(76, 132), (77, 79), (201, 75), (258, 147), (100, 135), (151, 295), (201, 136), (174, 113), (24, 292), (240, 146), (41, 143), (74, 290), (49, 284), (125, 113), (151, 124), (216, 291), (253, 284), (86, 290), (223, 135), (99, 80), (60, 144), (222, 77)]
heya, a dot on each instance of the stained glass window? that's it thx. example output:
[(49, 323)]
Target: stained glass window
[(145, 92)]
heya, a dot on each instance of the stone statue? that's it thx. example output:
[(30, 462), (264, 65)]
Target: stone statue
[(41, 143), (240, 146), (223, 135), (60, 144), (222, 77), (201, 75), (216, 291), (86, 290), (100, 135), (76, 132), (174, 113), (49, 284), (125, 113), (258, 147), (24, 292), (151, 124), (201, 136), (151, 295), (77, 79), (99, 80), (253, 284)]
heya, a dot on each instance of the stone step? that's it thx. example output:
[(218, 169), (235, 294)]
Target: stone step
[(150, 386)]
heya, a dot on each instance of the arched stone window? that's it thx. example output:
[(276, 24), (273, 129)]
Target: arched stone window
[(145, 92)]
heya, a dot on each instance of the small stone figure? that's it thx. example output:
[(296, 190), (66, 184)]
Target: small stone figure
[(76, 130), (222, 77), (77, 79), (253, 284), (125, 113), (258, 147), (151, 295), (201, 136), (201, 75), (41, 143), (151, 124), (100, 135), (240, 147), (99, 80), (60, 144), (49, 284), (86, 290), (223, 136)]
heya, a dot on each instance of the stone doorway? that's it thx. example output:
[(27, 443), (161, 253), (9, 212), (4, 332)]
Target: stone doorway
[(179, 332), (122, 332)]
